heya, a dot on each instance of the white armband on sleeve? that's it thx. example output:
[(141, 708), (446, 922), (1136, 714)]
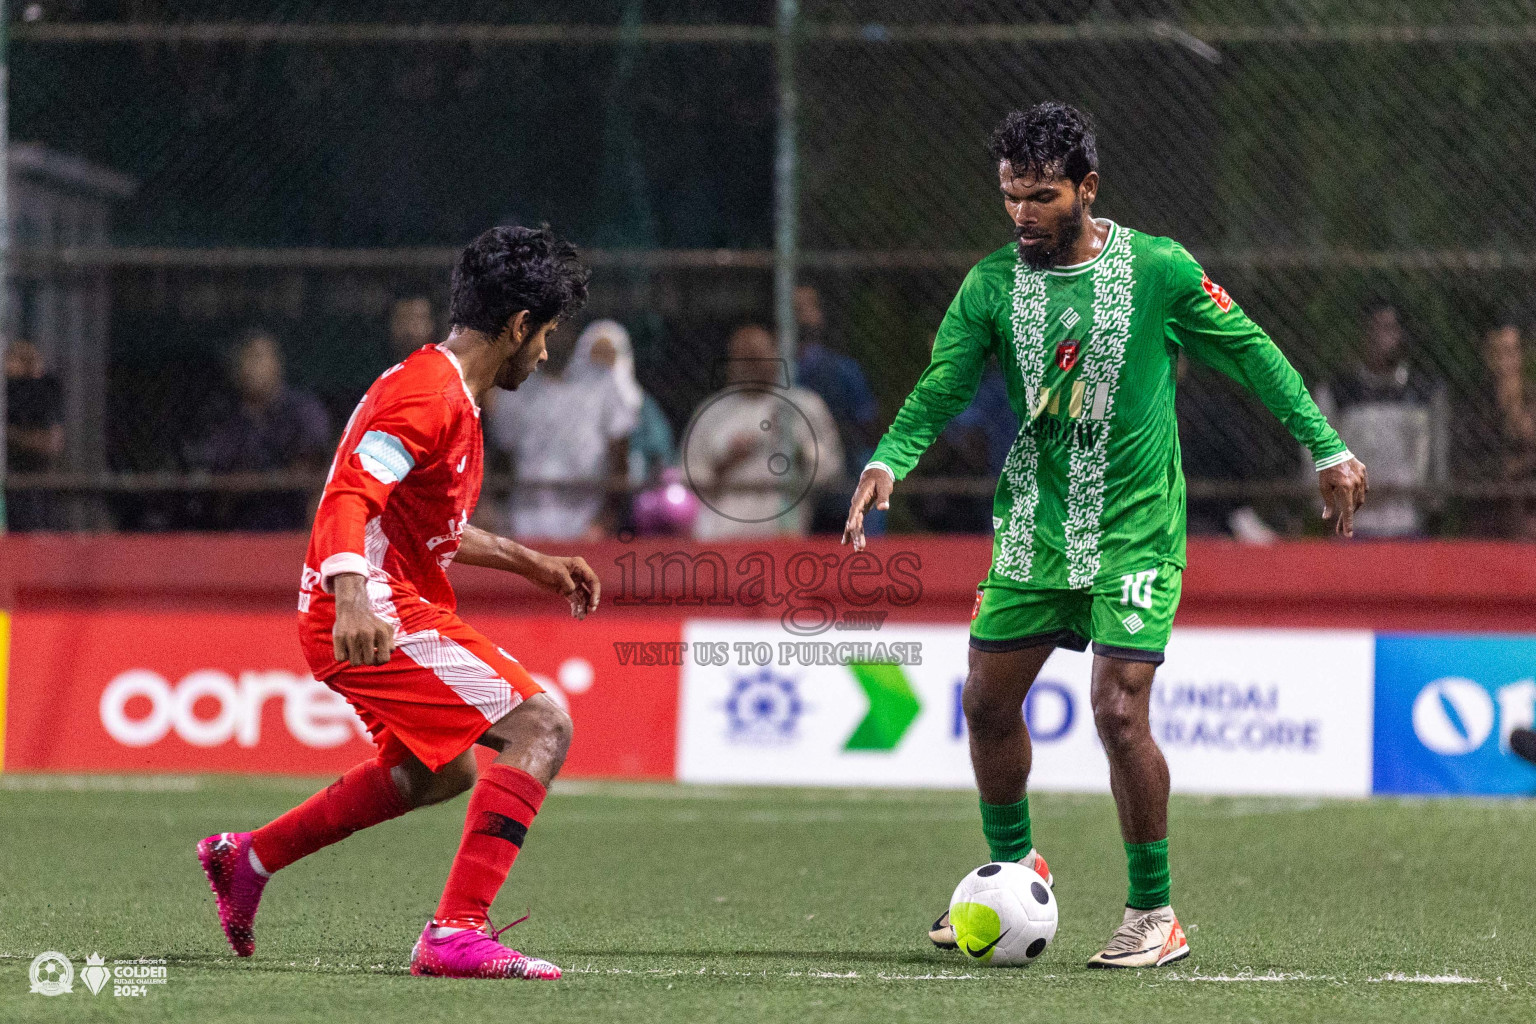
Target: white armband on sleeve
[(881, 466), (342, 561), (1334, 460), (385, 457)]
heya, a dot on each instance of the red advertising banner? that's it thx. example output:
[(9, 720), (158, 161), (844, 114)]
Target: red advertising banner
[(178, 690)]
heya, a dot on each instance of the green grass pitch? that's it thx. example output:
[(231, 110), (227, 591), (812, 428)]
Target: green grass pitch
[(672, 903)]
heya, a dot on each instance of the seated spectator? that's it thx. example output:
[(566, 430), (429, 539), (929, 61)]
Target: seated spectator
[(34, 438), (569, 425), (1496, 440), (839, 380), (738, 440), (1393, 417), (412, 324), (267, 426)]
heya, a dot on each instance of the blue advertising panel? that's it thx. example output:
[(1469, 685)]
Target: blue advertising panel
[(1445, 706)]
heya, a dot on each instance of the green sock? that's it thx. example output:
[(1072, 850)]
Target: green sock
[(1006, 827), (1147, 864)]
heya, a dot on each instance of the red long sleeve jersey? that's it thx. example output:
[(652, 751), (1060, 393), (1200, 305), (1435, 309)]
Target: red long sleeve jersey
[(403, 485)]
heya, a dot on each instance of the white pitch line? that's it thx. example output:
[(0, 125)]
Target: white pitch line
[(675, 972), (678, 972), (1268, 976), (1272, 975)]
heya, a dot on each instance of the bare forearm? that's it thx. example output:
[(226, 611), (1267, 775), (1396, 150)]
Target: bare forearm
[(359, 636), (486, 549), (569, 576)]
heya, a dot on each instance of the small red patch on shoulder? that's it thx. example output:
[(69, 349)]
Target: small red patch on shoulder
[(1217, 293)]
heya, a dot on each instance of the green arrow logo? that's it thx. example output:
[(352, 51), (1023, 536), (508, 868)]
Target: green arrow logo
[(892, 707)]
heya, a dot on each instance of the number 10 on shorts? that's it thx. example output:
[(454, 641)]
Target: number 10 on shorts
[(1136, 588)]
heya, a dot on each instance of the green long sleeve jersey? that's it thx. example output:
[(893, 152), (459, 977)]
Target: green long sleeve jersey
[(1093, 488)]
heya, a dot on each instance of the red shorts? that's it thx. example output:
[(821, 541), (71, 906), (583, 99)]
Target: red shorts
[(443, 686)]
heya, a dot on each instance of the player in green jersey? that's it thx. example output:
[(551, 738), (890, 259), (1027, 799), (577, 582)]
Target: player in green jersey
[(1087, 319)]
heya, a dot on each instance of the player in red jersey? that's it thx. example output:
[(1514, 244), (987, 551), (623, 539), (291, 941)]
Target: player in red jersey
[(377, 619)]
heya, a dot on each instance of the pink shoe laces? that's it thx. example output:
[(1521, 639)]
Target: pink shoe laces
[(495, 933)]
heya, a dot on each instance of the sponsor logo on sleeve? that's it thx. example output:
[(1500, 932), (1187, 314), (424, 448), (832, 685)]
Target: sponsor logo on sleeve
[(1217, 293)]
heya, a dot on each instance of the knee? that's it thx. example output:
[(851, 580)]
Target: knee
[(555, 725), (1116, 719), (455, 777), (985, 716), (421, 787)]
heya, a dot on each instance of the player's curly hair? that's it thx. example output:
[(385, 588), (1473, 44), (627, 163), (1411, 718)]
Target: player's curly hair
[(510, 269), (1046, 140)]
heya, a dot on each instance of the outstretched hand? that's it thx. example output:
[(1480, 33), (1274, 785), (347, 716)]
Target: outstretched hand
[(1344, 488), (874, 490), (570, 577)]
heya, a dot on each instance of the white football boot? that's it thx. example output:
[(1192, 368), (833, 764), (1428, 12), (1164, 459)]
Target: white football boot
[(1146, 938), (942, 934)]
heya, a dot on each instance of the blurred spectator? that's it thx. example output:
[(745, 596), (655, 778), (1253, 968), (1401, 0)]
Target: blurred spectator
[(1497, 436), (267, 426), (1393, 417), (412, 324), (974, 444), (839, 380), (569, 423), (837, 377), (652, 447), (34, 437), (991, 415), (1226, 437), (737, 441)]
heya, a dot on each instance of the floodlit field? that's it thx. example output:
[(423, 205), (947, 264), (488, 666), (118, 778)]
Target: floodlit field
[(669, 903)]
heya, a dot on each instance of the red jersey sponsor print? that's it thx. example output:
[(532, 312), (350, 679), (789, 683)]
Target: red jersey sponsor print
[(403, 485), (1217, 293)]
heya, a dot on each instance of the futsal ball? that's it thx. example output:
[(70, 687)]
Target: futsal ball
[(1004, 915)]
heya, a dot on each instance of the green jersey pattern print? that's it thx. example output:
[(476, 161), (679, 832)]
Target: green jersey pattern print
[(1013, 552), (1103, 362), (1093, 488)]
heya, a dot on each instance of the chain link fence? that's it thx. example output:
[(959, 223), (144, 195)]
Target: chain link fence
[(1360, 176)]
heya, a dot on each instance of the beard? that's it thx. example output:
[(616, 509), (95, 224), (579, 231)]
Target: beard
[(1044, 256), (510, 375)]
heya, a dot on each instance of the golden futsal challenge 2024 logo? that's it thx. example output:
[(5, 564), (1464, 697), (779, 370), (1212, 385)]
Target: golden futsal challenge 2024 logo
[(53, 974)]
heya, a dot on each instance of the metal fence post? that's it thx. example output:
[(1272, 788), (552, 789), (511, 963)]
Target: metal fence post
[(785, 191), (786, 213), (5, 241)]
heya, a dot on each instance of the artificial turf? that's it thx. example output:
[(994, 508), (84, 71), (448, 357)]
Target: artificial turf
[(670, 903)]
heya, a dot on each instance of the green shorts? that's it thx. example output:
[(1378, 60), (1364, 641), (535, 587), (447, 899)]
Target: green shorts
[(1129, 618)]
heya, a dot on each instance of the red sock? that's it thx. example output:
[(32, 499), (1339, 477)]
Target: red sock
[(365, 796), (500, 810)]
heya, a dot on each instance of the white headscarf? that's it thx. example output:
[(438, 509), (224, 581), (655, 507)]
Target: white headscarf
[(623, 371)]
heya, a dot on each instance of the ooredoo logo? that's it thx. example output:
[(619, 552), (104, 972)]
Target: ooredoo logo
[(209, 708), (1453, 715)]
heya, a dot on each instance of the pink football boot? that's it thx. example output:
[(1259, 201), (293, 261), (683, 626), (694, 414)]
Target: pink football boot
[(472, 953), (236, 885)]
